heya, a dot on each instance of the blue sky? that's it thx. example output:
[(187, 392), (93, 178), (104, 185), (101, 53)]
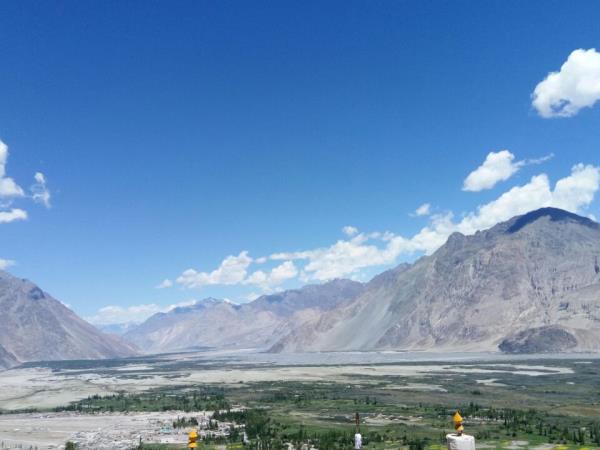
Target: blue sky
[(171, 135)]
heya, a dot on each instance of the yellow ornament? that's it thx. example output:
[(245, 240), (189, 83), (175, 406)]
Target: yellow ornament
[(458, 422), (192, 438)]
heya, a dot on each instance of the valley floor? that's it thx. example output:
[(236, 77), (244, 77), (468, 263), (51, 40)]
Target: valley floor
[(405, 400)]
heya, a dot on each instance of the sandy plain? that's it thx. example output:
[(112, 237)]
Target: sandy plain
[(48, 387)]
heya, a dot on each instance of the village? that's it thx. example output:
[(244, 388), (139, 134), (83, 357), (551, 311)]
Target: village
[(110, 431)]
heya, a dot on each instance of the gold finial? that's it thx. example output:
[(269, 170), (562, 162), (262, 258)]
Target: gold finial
[(192, 438), (458, 423)]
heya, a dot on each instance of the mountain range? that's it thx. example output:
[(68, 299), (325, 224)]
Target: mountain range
[(258, 324)]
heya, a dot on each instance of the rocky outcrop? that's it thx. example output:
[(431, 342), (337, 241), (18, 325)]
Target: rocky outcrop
[(548, 339)]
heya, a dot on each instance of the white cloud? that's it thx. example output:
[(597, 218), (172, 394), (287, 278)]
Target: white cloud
[(349, 230), (423, 210), (10, 190), (575, 86), (233, 270), (39, 190), (118, 314), (166, 283), (12, 215), (347, 257), (6, 263), (112, 314), (276, 277), (8, 187), (577, 191), (498, 166)]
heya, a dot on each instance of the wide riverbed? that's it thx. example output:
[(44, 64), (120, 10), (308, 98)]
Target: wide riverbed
[(54, 384)]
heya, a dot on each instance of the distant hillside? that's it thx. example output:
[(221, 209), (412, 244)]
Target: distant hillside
[(258, 324), (35, 327), (531, 284)]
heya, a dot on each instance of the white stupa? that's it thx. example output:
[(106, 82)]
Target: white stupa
[(458, 440)]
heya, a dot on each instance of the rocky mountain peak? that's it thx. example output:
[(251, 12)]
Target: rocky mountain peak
[(554, 214)]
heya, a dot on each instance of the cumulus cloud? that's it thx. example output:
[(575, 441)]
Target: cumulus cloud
[(276, 277), (498, 166), (12, 215), (577, 191), (6, 263), (347, 257), (574, 87), (39, 190), (349, 230), (112, 314), (164, 284), (233, 270), (10, 191), (119, 314), (8, 187), (423, 210)]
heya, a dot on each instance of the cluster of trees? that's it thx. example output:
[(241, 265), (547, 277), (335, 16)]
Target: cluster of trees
[(513, 422), (151, 401), (184, 422), (366, 400)]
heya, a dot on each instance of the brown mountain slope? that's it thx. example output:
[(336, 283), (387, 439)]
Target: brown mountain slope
[(529, 284), (37, 327)]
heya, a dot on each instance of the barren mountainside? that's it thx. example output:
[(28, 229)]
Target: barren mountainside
[(531, 284), (37, 327), (258, 324)]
